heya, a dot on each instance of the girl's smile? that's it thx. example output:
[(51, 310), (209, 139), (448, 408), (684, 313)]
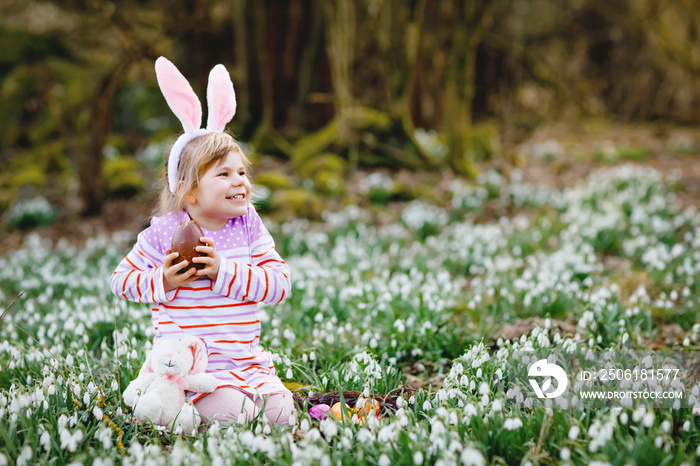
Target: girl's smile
[(223, 193)]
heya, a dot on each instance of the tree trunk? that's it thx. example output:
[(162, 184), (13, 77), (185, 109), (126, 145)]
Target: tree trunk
[(340, 34), (469, 21), (248, 41), (90, 162)]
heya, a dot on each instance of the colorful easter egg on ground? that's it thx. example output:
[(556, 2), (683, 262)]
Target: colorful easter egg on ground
[(365, 407), (337, 411), (319, 411)]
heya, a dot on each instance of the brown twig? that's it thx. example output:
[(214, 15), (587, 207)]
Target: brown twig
[(11, 304)]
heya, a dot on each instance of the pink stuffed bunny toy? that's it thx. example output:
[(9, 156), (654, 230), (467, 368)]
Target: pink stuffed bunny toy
[(158, 393)]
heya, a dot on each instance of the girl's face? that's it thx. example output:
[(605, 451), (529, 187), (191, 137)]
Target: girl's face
[(223, 193)]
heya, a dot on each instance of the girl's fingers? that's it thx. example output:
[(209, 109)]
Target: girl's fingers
[(179, 266), (208, 241), (169, 258), (190, 275), (181, 278), (206, 250)]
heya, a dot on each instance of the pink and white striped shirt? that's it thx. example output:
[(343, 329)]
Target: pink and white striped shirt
[(224, 314)]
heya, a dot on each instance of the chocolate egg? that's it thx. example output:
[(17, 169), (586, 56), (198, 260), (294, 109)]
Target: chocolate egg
[(319, 411), (185, 239)]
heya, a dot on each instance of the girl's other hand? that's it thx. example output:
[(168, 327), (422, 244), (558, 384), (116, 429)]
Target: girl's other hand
[(211, 262), (172, 279)]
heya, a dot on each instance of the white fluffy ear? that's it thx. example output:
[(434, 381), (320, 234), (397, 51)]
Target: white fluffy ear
[(179, 94), (221, 99)]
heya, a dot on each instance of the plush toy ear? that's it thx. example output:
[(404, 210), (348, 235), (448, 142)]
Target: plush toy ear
[(179, 94), (221, 99), (147, 366), (199, 354)]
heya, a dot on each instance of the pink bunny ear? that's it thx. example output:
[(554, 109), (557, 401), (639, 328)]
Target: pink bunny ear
[(221, 99), (179, 94), (199, 355)]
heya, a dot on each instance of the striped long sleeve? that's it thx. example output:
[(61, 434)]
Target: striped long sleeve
[(139, 276), (265, 279)]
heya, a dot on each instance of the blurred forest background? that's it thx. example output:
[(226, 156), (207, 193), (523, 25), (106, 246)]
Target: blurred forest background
[(327, 89)]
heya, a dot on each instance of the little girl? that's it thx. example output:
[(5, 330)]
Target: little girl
[(207, 182)]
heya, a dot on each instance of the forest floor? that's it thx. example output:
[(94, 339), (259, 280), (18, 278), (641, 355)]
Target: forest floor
[(558, 155)]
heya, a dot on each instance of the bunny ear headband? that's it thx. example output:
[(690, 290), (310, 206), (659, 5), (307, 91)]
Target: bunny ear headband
[(221, 100)]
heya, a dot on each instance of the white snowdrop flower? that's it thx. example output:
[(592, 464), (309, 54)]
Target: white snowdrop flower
[(39, 395), (364, 435), (470, 410), (427, 406), (289, 374), (51, 390), (97, 412), (387, 434), (115, 385), (86, 398), (648, 419), (496, 406), (104, 435), (484, 388), (70, 441), (25, 456), (472, 457), (304, 426), (666, 426), (623, 418), (400, 402), (384, 460), (565, 454), (574, 432), (3, 459), (329, 428), (418, 458), (45, 441), (658, 441), (267, 429), (686, 426), (412, 400), (70, 360), (513, 423)]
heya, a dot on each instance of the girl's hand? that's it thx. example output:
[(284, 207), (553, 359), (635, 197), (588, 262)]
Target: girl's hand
[(211, 262), (171, 278)]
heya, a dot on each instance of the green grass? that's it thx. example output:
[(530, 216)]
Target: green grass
[(424, 299)]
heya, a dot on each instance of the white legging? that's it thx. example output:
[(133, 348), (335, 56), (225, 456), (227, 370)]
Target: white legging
[(229, 405)]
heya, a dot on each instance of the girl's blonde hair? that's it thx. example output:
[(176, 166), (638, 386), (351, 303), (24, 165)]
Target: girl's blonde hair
[(200, 154)]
